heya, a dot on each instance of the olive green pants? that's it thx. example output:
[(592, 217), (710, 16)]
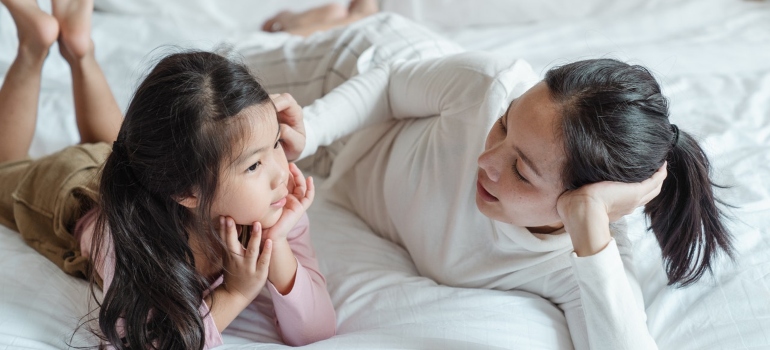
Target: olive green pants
[(42, 199)]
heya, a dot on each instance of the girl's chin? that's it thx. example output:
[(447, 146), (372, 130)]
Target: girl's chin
[(271, 219)]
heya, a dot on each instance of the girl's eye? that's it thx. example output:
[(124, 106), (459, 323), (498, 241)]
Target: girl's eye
[(277, 144), (253, 167), (517, 173)]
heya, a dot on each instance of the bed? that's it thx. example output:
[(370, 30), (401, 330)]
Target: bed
[(712, 57)]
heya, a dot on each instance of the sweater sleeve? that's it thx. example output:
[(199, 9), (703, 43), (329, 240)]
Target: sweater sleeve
[(409, 89), (612, 310), (304, 315)]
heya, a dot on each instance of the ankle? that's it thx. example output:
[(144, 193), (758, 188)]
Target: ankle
[(78, 55), (32, 55)]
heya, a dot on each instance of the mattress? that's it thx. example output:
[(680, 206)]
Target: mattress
[(712, 57)]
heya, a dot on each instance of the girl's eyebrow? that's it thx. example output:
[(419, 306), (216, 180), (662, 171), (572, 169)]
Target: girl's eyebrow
[(246, 155)]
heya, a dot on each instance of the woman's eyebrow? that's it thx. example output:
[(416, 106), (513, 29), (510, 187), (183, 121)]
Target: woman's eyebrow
[(527, 160)]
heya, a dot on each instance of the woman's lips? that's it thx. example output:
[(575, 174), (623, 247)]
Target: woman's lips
[(486, 196)]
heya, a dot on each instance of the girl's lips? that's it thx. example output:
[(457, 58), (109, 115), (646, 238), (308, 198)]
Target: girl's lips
[(280, 203), (486, 196)]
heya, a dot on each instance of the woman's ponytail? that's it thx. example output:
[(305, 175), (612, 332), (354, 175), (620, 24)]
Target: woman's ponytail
[(616, 128), (685, 217)]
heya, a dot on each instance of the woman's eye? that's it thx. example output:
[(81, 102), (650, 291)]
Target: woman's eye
[(517, 173), (500, 121), (277, 144), (253, 167)]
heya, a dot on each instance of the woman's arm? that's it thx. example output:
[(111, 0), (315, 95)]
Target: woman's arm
[(613, 318), (410, 89), (610, 314)]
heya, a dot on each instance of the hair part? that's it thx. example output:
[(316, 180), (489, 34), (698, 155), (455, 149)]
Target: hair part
[(615, 127), (183, 123)]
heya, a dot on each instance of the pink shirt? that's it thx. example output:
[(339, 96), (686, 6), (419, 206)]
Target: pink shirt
[(304, 315)]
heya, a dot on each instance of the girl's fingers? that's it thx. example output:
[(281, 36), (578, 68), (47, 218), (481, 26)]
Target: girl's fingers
[(310, 193), (222, 232), (263, 263), (252, 251), (299, 184), (233, 244)]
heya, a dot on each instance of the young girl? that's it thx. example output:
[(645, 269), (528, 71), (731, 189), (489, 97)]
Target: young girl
[(493, 178), (155, 219)]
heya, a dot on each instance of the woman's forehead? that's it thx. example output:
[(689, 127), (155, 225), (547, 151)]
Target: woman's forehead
[(535, 119)]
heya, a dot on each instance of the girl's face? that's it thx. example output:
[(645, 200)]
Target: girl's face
[(254, 186), (519, 176)]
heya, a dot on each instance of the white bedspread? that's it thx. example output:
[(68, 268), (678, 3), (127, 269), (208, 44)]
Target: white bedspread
[(713, 58)]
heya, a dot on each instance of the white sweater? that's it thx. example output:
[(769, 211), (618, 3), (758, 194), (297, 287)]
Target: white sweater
[(411, 176)]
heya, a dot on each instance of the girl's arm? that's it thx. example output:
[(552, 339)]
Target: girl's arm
[(245, 274), (305, 314), (303, 308)]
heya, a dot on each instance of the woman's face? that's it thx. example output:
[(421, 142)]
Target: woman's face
[(519, 171)]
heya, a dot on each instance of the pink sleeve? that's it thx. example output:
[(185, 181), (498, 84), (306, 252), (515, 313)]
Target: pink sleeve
[(106, 269), (304, 315)]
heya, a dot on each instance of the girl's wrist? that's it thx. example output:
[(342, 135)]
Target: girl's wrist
[(283, 267)]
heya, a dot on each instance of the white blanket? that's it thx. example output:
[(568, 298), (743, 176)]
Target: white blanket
[(712, 57)]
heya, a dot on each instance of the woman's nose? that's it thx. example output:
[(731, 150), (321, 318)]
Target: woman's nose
[(489, 162)]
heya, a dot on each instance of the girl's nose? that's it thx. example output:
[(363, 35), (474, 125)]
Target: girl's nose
[(280, 173)]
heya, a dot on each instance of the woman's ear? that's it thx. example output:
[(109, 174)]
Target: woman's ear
[(189, 201)]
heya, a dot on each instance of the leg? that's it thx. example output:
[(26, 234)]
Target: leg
[(321, 18), (96, 111), (21, 89)]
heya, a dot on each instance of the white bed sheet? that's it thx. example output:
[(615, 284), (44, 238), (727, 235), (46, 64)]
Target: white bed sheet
[(713, 58)]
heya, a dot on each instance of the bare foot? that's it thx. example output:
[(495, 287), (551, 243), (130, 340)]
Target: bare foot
[(74, 17), (37, 30), (321, 18), (363, 8), (289, 21)]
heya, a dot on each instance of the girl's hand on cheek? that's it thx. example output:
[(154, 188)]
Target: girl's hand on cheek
[(292, 125), (587, 211), (246, 269), (297, 202)]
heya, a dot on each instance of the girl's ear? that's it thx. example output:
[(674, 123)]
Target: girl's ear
[(190, 201)]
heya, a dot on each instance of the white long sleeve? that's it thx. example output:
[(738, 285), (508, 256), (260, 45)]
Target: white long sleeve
[(404, 89), (612, 304)]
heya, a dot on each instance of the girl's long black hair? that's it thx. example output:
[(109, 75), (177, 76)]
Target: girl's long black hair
[(180, 128), (615, 127)]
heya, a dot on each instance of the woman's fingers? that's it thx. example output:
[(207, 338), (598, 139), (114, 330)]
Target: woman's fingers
[(652, 186), (288, 109), (292, 141)]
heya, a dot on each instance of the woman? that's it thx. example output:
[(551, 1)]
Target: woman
[(490, 179)]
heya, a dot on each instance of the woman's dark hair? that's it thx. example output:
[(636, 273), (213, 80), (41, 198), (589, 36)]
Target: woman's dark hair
[(615, 127), (181, 127)]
